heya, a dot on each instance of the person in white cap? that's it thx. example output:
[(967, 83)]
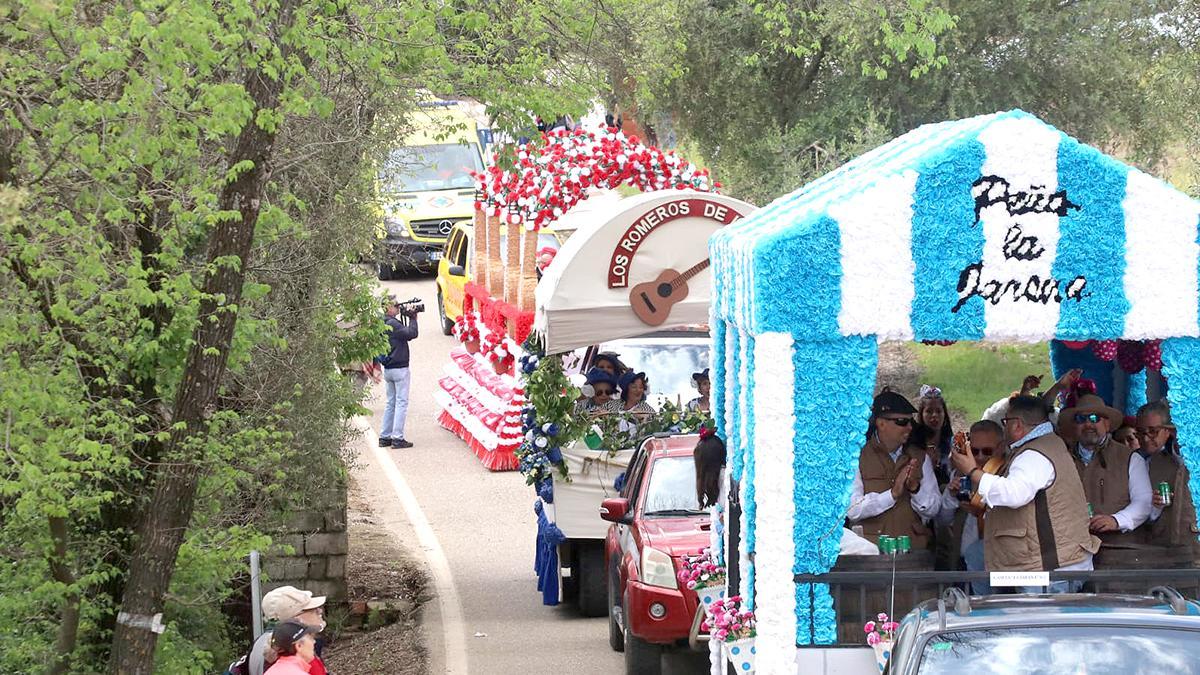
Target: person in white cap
[(286, 603)]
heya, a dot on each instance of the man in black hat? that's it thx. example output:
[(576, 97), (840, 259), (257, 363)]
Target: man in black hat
[(895, 492)]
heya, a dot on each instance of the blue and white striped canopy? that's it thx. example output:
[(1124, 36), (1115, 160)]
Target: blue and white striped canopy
[(993, 227)]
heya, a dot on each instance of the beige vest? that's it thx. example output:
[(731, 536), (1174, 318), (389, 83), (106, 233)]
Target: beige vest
[(1177, 524), (1049, 532), (1106, 484), (878, 473)]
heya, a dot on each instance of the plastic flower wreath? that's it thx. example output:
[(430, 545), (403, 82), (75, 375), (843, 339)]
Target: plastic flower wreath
[(701, 571), (727, 622), (880, 630)]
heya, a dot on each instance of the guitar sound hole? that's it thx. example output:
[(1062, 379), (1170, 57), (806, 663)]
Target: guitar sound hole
[(664, 290)]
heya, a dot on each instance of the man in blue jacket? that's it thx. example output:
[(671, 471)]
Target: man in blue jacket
[(402, 326)]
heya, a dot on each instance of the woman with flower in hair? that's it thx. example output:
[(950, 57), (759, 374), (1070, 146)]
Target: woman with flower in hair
[(933, 432)]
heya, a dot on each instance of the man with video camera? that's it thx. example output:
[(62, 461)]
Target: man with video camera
[(401, 321)]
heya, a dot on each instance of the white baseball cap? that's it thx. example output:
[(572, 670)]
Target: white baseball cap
[(287, 602)]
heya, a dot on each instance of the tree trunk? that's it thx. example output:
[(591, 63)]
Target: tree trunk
[(165, 519), (68, 627)]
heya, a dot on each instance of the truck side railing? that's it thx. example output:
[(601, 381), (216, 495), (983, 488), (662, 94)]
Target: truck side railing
[(859, 595)]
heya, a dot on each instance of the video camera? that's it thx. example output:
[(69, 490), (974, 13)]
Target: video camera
[(414, 306)]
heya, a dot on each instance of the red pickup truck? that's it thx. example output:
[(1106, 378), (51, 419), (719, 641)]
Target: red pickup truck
[(655, 522)]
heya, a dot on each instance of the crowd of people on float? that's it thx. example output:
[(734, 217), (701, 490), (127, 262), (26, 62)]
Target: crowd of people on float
[(613, 388), (1042, 482)]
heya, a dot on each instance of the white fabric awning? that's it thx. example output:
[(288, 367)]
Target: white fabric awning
[(591, 293)]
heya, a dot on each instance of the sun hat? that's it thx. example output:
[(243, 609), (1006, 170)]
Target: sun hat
[(597, 376), (287, 602), (1091, 403), (702, 375)]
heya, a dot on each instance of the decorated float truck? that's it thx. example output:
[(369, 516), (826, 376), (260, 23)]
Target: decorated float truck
[(997, 227), (632, 266), (632, 270)]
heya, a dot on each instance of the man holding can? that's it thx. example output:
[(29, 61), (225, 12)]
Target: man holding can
[(1115, 481), (1036, 512), (963, 522), (1172, 515)]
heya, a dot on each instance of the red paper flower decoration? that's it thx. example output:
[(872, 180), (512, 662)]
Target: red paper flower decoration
[(546, 181), (1130, 355), (1152, 355), (1105, 350)]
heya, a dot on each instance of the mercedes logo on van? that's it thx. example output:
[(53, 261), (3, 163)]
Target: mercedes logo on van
[(445, 226)]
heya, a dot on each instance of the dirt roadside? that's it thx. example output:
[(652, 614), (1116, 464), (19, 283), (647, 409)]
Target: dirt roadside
[(386, 587)]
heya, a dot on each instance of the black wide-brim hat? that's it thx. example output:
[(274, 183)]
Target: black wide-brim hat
[(888, 401)]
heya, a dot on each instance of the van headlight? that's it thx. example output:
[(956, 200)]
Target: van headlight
[(396, 228), (657, 569)]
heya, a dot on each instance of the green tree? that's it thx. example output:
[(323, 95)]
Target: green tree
[(184, 187), (774, 94)]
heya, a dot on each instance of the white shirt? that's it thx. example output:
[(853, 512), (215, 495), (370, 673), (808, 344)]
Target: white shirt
[(1140, 498), (1028, 473), (925, 502)]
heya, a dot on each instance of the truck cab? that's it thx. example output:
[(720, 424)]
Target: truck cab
[(425, 188), (656, 521)]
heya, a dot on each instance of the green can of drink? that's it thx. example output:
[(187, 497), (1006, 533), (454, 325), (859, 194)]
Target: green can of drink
[(1164, 491), (1091, 511), (887, 545), (904, 543)]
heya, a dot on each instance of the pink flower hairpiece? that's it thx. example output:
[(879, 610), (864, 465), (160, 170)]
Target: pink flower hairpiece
[(706, 433)]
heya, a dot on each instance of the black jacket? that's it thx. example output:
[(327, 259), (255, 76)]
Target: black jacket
[(401, 329)]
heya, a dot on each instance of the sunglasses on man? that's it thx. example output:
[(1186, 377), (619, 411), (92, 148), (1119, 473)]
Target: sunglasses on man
[(899, 421), (1088, 418)]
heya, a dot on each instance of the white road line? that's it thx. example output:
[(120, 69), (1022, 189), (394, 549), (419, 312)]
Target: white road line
[(453, 626)]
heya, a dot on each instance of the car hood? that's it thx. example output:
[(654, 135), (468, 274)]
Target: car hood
[(686, 535)]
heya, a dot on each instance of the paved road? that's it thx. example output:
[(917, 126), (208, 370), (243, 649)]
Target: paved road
[(485, 525)]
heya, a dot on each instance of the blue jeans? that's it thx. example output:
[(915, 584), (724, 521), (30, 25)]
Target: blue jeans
[(396, 380)]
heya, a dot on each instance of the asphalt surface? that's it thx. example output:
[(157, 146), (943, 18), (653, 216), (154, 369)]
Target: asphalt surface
[(485, 525)]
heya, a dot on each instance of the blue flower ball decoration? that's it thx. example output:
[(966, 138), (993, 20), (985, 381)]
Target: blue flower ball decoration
[(554, 454)]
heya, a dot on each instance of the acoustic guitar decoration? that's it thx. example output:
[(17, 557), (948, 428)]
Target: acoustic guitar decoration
[(652, 301)]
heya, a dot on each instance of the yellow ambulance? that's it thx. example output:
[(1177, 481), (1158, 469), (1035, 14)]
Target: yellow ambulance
[(425, 188)]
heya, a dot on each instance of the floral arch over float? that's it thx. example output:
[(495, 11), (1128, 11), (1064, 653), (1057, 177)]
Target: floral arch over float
[(994, 227), (479, 397)]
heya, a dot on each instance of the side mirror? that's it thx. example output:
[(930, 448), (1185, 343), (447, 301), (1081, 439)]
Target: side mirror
[(614, 510), (456, 271)]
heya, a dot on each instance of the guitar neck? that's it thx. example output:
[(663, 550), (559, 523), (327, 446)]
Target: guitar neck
[(689, 273)]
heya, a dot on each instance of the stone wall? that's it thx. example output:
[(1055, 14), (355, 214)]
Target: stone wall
[(320, 542)]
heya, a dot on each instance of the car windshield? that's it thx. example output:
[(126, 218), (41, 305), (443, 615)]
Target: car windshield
[(668, 364), (672, 488), (1069, 650), (432, 167)]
